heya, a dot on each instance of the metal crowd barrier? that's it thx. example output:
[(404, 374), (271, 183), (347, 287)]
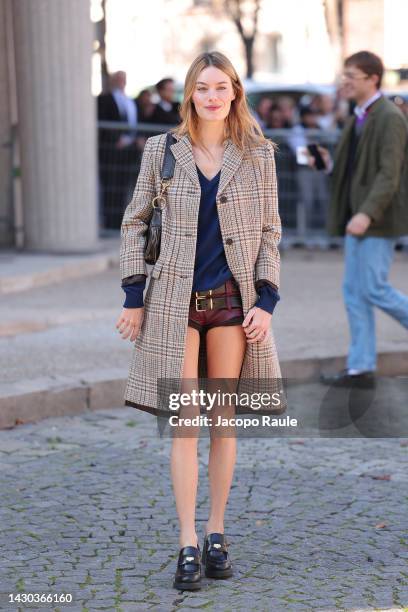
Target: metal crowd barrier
[(303, 192)]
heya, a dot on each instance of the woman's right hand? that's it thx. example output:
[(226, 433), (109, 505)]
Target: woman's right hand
[(130, 322)]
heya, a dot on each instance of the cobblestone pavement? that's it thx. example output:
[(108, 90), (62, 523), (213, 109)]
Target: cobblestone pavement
[(313, 524)]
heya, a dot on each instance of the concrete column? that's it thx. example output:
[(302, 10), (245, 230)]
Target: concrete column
[(6, 216), (57, 118)]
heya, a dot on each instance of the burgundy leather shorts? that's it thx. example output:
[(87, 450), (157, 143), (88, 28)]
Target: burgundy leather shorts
[(232, 315)]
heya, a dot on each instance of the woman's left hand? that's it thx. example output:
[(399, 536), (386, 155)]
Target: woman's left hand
[(257, 324)]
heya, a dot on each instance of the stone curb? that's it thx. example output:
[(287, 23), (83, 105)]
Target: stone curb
[(77, 267), (31, 401)]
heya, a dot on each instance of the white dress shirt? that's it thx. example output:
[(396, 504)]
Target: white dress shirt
[(361, 110), (127, 107), (166, 106)]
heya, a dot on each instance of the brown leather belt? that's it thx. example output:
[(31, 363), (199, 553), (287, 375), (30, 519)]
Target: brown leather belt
[(211, 299), (202, 303)]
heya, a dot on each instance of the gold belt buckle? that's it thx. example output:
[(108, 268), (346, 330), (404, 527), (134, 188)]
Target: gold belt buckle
[(203, 297)]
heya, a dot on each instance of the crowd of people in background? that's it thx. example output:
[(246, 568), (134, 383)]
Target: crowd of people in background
[(283, 112), (272, 112), (304, 194), (120, 150)]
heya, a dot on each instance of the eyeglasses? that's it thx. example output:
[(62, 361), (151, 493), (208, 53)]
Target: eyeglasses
[(349, 76)]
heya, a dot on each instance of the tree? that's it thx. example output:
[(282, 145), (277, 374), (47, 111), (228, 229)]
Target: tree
[(245, 12)]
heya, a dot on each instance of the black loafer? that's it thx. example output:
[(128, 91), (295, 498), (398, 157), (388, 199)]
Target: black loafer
[(188, 573), (363, 380), (215, 556)]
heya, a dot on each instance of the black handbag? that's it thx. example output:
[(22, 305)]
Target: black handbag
[(153, 232)]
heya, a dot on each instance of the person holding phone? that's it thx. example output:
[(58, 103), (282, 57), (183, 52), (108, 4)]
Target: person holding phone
[(369, 205), (312, 187)]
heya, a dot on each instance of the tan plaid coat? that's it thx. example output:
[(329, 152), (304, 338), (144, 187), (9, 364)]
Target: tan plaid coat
[(247, 204)]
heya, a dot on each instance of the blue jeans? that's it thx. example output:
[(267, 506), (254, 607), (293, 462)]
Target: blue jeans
[(367, 264)]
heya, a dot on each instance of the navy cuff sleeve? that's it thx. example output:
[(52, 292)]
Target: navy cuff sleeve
[(134, 295), (268, 298)]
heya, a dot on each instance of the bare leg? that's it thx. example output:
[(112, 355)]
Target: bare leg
[(225, 351), (184, 462)]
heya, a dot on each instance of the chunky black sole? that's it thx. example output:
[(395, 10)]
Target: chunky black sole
[(213, 573), (185, 586)]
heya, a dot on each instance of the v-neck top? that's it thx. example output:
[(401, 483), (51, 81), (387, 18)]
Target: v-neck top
[(210, 267)]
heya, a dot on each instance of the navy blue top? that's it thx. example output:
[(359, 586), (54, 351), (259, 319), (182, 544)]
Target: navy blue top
[(211, 268)]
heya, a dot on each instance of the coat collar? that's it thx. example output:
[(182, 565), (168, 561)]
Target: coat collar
[(360, 111), (378, 105), (183, 153)]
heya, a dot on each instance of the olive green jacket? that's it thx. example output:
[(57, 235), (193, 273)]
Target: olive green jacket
[(379, 185)]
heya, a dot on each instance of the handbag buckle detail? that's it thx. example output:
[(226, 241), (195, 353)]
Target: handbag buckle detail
[(159, 198)]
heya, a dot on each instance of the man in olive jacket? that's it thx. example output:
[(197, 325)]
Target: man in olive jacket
[(369, 205)]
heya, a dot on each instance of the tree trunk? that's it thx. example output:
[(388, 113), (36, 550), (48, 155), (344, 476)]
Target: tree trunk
[(249, 47)]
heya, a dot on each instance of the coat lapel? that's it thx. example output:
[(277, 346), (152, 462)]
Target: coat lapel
[(344, 142), (183, 154), (232, 160), (377, 106)]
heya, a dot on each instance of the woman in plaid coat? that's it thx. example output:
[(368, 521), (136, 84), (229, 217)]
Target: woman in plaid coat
[(208, 306)]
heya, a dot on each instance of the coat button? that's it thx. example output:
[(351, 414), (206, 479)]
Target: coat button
[(229, 241), (223, 199)]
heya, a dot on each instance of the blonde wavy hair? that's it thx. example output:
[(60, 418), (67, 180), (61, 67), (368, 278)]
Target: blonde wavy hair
[(240, 125)]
